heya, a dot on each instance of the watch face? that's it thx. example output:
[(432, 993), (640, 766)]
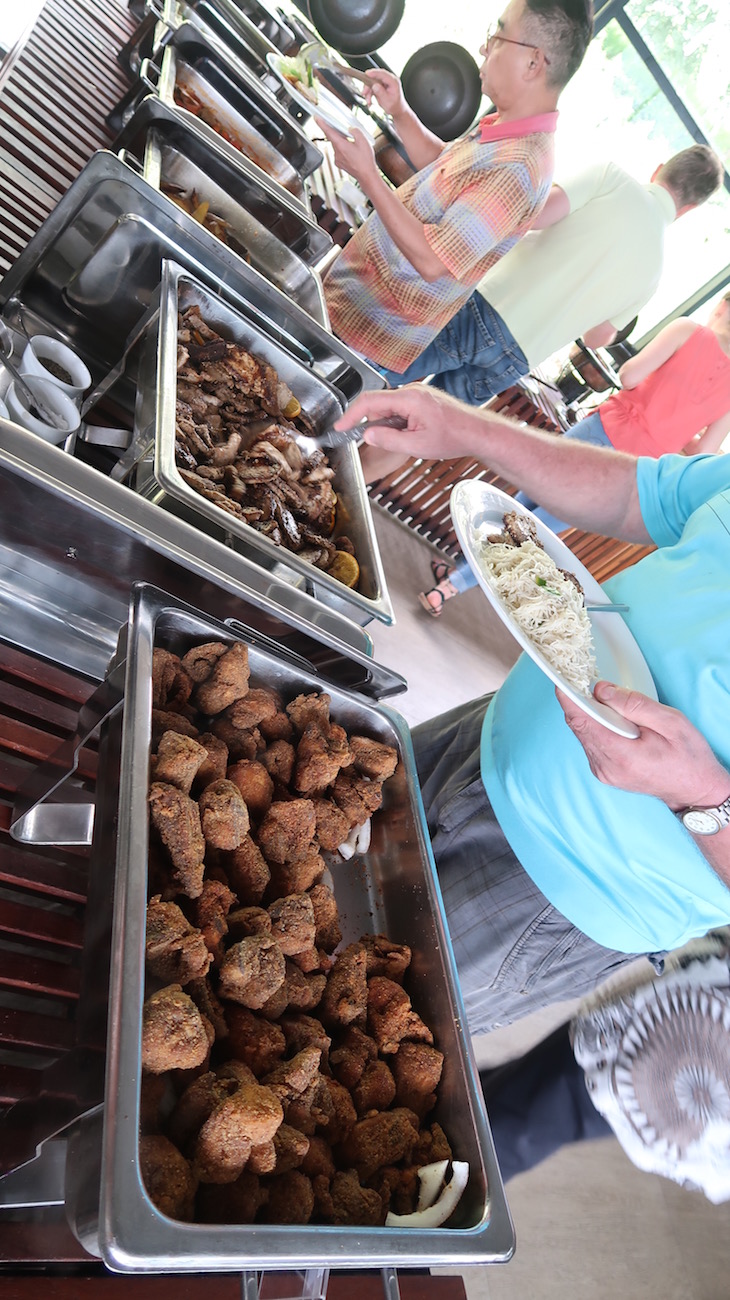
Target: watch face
[(700, 823)]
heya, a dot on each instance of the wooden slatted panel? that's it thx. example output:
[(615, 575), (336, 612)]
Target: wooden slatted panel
[(42, 903), (418, 492), (56, 89)]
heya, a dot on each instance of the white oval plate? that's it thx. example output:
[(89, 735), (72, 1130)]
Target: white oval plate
[(328, 107), (477, 509)]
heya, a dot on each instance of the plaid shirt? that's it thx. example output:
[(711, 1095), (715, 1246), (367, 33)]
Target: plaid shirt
[(475, 200)]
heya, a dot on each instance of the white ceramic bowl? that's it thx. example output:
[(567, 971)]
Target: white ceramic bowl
[(59, 402), (42, 350)]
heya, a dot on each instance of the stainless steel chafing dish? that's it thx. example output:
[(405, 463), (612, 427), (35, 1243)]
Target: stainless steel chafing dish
[(93, 269), (236, 105), (393, 890), (155, 472), (280, 239)]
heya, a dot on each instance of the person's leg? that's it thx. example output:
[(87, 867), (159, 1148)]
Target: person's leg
[(539, 1103), (455, 581), (515, 953), (588, 430)]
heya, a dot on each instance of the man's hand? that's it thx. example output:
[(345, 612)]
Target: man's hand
[(670, 759), (438, 425), (386, 88), (355, 156)]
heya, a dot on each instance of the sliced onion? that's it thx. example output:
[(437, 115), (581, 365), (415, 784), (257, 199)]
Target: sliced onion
[(442, 1209), (363, 837), (431, 1178), (349, 846)]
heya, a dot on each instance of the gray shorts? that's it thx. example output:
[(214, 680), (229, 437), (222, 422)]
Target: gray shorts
[(514, 951)]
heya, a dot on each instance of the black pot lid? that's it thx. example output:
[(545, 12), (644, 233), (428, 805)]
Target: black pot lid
[(441, 84), (356, 27)]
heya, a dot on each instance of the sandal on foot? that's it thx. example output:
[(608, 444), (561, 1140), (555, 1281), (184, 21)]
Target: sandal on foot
[(432, 601), (440, 569)]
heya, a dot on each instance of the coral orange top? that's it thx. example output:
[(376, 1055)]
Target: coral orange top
[(674, 403)]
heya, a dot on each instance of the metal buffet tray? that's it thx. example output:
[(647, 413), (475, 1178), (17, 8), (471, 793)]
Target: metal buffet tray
[(223, 23), (92, 270), (235, 98), (156, 475), (393, 890), (282, 242)]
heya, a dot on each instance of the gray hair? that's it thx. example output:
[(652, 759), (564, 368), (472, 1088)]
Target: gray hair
[(562, 29)]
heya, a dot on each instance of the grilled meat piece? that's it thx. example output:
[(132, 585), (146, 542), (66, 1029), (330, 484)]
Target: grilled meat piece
[(176, 818)]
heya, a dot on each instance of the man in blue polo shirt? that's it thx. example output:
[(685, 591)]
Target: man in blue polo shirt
[(563, 848)]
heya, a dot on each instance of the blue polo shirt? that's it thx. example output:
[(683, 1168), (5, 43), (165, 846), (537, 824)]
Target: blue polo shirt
[(621, 866)]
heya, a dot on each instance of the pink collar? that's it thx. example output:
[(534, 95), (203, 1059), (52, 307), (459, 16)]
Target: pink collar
[(491, 128)]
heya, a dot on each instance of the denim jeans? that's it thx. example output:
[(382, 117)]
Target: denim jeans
[(588, 430), (474, 357)]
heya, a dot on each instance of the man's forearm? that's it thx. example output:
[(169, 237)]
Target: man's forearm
[(404, 228)]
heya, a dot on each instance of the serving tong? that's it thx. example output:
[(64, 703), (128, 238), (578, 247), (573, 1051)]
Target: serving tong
[(339, 437)]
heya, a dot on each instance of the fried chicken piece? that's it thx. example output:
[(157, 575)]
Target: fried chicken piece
[(292, 923), (174, 950), (296, 877), (176, 818), (357, 797), (168, 1178), (327, 932), (290, 1147), (258, 1042), (276, 1005), (152, 1090), (303, 992), (215, 764), (211, 910), (333, 825), (289, 1079), (237, 1202), (375, 1089), (252, 971), (346, 1203), (342, 1113), (432, 1145), (372, 758), (319, 758), (350, 1055), (247, 1119), (257, 705), (345, 997), (278, 759), (306, 709), (391, 1017), (195, 1105), (248, 920), (311, 960), (382, 1139), (228, 681), (301, 1030), (313, 1109), (385, 957), (178, 760), (248, 872), (201, 660), (262, 1159), (209, 1004), (277, 726), (417, 1069), (223, 815), (399, 1188), (240, 744), (319, 1162), (171, 685), (174, 1034), (255, 785), (163, 720), (291, 1198), (286, 833)]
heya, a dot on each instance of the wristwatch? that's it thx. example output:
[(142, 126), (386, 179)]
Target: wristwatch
[(706, 821)]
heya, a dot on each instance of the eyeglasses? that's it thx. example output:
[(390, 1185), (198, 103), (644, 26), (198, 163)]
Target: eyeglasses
[(496, 35)]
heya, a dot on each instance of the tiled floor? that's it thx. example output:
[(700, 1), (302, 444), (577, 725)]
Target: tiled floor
[(588, 1223)]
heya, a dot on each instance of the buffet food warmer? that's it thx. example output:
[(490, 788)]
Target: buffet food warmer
[(90, 587), (210, 87)]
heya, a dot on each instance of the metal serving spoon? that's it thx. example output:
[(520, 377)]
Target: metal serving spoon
[(605, 606)]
